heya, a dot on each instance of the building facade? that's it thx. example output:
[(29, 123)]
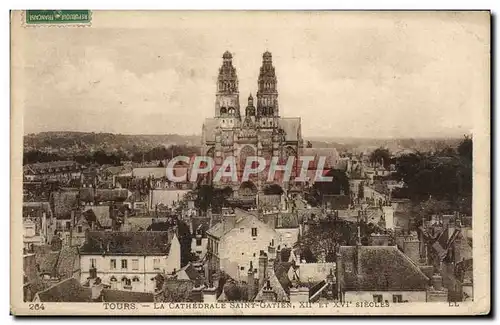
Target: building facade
[(260, 131), (129, 260)]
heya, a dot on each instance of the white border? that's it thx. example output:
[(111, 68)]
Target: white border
[(187, 4)]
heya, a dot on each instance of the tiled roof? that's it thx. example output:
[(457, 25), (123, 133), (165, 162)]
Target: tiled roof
[(281, 270), (200, 223), (127, 296), (70, 290), (288, 220), (126, 243), (52, 165), (331, 155), (68, 262), (192, 273), (383, 268), (175, 290), (146, 172), (64, 202), (35, 209), (276, 286), (337, 202), (217, 230), (103, 195)]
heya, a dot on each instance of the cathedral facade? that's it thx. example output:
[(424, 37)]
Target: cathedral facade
[(259, 130)]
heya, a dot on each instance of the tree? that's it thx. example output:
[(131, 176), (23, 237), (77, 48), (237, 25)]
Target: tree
[(465, 148), (208, 196), (381, 156), (273, 189)]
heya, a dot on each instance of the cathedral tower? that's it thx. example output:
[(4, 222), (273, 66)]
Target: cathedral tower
[(227, 103), (267, 94)]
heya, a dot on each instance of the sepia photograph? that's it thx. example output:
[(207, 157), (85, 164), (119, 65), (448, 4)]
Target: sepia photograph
[(250, 162)]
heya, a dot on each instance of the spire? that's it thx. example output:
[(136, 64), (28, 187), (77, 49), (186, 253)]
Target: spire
[(250, 110), (267, 94), (227, 98), (227, 55)]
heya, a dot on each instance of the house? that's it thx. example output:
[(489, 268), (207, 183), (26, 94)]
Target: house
[(129, 260), (63, 171), (38, 223), (380, 274), (167, 197), (446, 245), (48, 265), (199, 227), (237, 240)]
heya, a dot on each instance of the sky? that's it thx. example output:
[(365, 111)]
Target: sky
[(346, 74)]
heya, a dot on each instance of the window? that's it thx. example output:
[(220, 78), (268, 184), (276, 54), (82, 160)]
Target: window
[(242, 268), (242, 230), (114, 283), (68, 225), (254, 232), (112, 264), (198, 241), (136, 279), (377, 298), (156, 263), (93, 263), (124, 264), (135, 264), (127, 283), (79, 229), (397, 298), (349, 267)]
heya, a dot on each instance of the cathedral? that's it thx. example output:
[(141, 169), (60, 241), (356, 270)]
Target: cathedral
[(259, 130)]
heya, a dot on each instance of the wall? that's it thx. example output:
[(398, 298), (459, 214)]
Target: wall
[(166, 197), (173, 260), (411, 296), (313, 272), (288, 236), (201, 248), (144, 273), (238, 247)]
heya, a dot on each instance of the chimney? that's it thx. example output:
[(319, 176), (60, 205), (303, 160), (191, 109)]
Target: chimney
[(209, 294), (262, 268), (278, 254), (228, 219), (268, 293), (437, 282), (272, 252), (411, 248), (388, 216), (197, 293), (97, 287), (251, 283), (358, 252), (92, 273)]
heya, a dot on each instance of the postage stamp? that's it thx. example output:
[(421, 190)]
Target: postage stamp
[(275, 163), (57, 17)]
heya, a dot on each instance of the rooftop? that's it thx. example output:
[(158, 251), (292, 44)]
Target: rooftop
[(127, 243)]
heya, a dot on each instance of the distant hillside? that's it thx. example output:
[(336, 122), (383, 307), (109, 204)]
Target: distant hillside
[(394, 145), (86, 141), (71, 143)]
